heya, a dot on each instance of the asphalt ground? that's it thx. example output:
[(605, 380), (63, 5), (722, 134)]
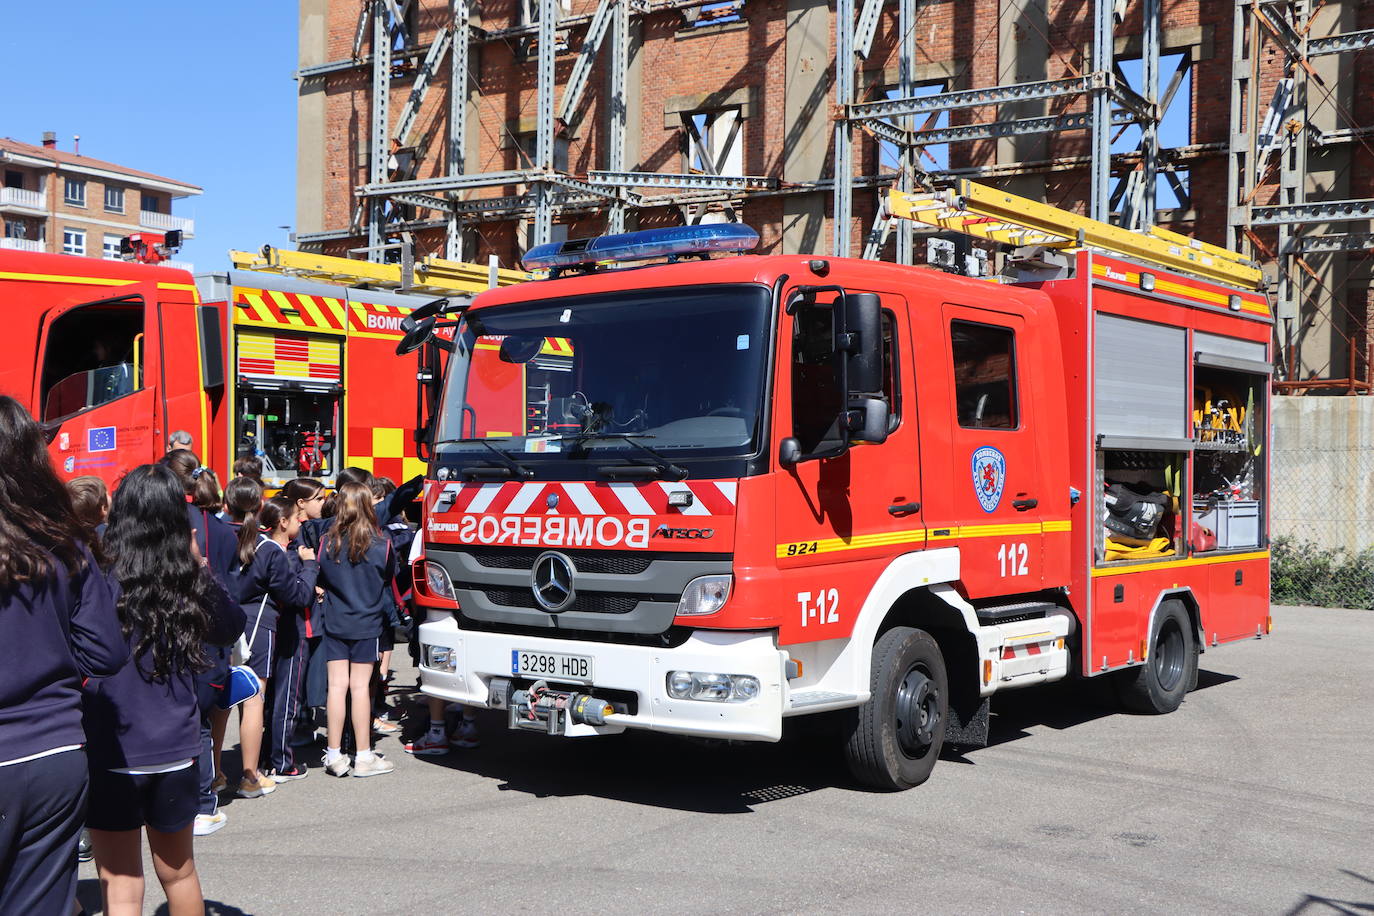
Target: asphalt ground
[(1253, 798)]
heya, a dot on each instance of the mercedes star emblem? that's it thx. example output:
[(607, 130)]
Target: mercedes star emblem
[(551, 580)]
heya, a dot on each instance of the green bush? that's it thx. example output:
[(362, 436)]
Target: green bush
[(1303, 573)]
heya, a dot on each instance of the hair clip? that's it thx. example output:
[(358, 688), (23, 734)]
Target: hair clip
[(195, 475)]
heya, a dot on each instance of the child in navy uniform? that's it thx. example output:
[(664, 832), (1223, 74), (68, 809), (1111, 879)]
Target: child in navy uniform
[(357, 565), (57, 625), (143, 723), (277, 582), (217, 543)]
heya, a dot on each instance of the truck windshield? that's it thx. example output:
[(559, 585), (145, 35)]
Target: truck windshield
[(679, 371)]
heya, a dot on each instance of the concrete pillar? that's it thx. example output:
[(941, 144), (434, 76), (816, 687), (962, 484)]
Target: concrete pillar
[(310, 119), (1023, 53), (806, 152)]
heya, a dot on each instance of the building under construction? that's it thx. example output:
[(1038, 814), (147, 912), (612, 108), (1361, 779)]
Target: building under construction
[(470, 129)]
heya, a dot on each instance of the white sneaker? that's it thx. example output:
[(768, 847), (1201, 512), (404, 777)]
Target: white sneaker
[(207, 824), (466, 736), (339, 767), (372, 765)]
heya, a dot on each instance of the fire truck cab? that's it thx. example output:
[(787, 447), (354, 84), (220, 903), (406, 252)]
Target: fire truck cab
[(752, 488)]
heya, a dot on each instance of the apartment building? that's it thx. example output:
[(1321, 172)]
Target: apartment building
[(58, 201)]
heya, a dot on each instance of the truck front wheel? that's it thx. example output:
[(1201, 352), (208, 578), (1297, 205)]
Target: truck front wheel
[(894, 739), (1169, 672)]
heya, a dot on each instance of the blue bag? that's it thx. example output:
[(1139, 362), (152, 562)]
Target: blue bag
[(241, 685)]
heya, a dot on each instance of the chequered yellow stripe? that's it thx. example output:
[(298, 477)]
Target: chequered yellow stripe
[(919, 536), (1176, 564), (257, 309)]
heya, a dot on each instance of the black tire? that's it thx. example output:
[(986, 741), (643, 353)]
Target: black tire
[(1170, 670), (893, 740)]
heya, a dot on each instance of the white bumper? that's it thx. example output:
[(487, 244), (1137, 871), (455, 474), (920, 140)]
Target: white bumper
[(643, 670)]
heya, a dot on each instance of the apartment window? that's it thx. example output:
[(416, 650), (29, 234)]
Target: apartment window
[(74, 192), (110, 249), (16, 229), (151, 203), (114, 199), (14, 178), (714, 142), (74, 241), (529, 142)]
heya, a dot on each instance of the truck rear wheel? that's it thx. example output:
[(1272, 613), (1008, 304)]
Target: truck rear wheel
[(894, 739), (1159, 685)]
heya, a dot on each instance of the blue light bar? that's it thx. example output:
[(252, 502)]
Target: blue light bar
[(642, 246)]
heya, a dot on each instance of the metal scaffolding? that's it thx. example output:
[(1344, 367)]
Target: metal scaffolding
[(1105, 103), (1277, 139)]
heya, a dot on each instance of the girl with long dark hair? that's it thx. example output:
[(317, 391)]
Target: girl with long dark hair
[(58, 623), (217, 542), (143, 723), (357, 565), (271, 585)]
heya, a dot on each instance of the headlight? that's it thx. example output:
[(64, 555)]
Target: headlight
[(440, 585), (704, 595), (439, 658), (713, 687)]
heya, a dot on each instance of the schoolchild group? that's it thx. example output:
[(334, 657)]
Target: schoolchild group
[(123, 616)]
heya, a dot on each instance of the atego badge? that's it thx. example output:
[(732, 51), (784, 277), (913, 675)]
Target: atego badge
[(989, 476)]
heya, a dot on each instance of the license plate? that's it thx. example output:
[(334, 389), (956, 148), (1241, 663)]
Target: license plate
[(552, 665)]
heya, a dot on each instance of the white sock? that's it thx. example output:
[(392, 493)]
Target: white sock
[(331, 754), (362, 756), (436, 729)]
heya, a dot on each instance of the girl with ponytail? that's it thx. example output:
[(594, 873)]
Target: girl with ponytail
[(271, 585)]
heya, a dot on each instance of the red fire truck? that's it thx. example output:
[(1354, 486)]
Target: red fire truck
[(112, 357), (765, 487)]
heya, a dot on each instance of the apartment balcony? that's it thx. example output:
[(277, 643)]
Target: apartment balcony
[(165, 222), (20, 200), (22, 244), (182, 265)]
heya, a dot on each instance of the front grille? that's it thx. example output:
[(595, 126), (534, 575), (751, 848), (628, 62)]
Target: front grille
[(588, 561), (587, 602)]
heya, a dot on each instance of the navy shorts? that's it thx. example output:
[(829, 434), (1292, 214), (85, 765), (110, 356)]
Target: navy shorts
[(167, 802), (262, 652), (359, 651)]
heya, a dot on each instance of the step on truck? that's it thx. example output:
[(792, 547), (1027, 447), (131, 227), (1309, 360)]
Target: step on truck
[(705, 496)]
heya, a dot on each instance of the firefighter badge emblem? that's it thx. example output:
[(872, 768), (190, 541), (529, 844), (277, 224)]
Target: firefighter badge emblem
[(989, 476)]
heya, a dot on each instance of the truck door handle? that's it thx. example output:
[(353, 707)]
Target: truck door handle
[(1021, 505), (900, 509)]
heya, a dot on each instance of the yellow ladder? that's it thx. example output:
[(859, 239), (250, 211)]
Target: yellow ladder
[(431, 275), (988, 213)]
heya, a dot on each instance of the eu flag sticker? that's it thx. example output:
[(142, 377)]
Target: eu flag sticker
[(100, 439)]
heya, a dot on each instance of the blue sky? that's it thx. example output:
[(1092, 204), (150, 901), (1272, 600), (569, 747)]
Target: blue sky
[(200, 92)]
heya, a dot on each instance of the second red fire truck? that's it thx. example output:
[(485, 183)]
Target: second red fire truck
[(748, 488)]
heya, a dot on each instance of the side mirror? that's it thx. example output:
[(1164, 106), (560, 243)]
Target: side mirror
[(417, 333), (861, 339), (789, 452), (867, 420)]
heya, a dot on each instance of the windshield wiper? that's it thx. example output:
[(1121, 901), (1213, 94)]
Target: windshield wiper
[(509, 467), (664, 468)]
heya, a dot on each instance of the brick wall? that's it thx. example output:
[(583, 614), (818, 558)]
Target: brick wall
[(953, 36)]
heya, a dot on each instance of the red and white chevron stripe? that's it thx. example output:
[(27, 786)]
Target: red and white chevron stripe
[(1021, 650), (639, 498)]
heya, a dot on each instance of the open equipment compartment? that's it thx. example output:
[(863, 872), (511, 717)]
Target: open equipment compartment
[(1141, 400), (1230, 382)]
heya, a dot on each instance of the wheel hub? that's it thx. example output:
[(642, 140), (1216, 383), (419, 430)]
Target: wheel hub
[(917, 713)]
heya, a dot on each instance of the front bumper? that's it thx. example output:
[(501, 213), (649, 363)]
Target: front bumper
[(481, 656)]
